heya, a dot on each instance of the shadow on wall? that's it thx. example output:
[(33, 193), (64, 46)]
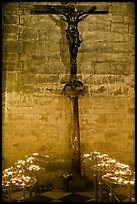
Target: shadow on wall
[(51, 166), (5, 164), (64, 45)]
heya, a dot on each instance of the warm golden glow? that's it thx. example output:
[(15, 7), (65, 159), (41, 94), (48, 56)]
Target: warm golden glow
[(17, 175), (111, 169)]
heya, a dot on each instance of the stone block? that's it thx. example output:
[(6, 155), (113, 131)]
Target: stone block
[(90, 47), (28, 35), (103, 68), (131, 8), (131, 29), (58, 184), (94, 35), (10, 57), (10, 86), (33, 67), (12, 46), (11, 19), (119, 8), (99, 25), (104, 47), (27, 20), (130, 20), (119, 28), (43, 36), (121, 68), (12, 66), (29, 46), (11, 28), (49, 78), (94, 57), (77, 183), (25, 57), (116, 57), (113, 37), (87, 68), (10, 37), (123, 47), (55, 67), (23, 79), (117, 19), (130, 38), (100, 18), (12, 5), (24, 88), (10, 8)]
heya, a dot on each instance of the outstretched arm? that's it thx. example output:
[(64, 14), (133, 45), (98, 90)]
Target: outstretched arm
[(52, 8), (63, 19), (56, 10), (83, 17), (86, 13)]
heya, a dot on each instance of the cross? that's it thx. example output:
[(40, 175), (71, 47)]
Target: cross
[(73, 15)]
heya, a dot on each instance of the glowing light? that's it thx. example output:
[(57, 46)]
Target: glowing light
[(132, 182), (86, 155), (35, 154), (126, 182), (111, 169)]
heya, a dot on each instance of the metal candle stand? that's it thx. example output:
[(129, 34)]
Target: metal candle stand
[(98, 185), (95, 186), (108, 171), (29, 187), (110, 183), (22, 176), (100, 178)]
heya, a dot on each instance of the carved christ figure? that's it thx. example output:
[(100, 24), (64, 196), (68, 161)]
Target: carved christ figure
[(73, 17)]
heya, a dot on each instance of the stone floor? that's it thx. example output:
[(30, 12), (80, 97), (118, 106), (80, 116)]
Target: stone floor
[(50, 195)]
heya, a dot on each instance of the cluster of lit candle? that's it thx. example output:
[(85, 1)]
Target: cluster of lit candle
[(18, 181), (111, 169), (95, 157), (18, 174), (119, 179)]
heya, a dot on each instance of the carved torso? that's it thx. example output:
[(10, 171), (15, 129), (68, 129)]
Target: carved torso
[(72, 20)]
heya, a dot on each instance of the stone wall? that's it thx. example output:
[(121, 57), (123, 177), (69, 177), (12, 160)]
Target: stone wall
[(36, 114)]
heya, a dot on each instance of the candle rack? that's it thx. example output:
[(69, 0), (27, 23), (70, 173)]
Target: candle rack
[(22, 176), (109, 173)]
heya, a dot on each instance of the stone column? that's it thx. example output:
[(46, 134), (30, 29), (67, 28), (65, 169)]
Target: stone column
[(75, 137), (73, 89)]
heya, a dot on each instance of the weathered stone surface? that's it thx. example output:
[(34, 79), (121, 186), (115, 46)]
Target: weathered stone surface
[(119, 9), (104, 47), (36, 67), (119, 28), (12, 66), (8, 19), (117, 19), (77, 184)]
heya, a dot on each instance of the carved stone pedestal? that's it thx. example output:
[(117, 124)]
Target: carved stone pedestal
[(58, 184), (73, 89), (77, 184)]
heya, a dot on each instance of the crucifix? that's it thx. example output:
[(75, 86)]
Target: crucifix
[(72, 15)]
